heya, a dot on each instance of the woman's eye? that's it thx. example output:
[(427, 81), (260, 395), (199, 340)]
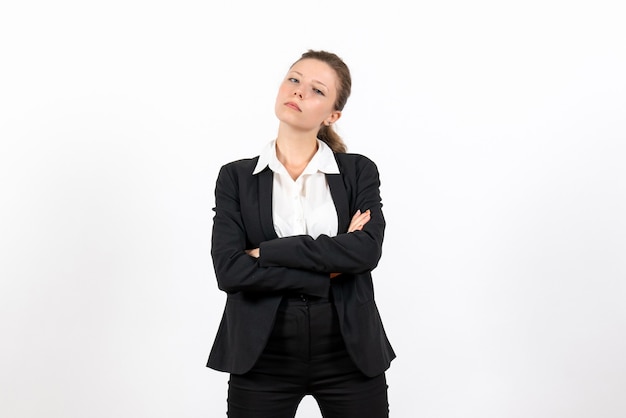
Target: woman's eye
[(318, 91), (293, 80)]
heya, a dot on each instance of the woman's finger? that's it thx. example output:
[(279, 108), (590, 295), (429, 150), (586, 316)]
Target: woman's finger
[(358, 220)]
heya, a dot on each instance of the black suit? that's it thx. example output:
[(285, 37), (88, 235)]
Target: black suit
[(296, 264)]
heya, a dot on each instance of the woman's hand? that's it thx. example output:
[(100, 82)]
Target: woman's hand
[(356, 224), (253, 252), (358, 220)]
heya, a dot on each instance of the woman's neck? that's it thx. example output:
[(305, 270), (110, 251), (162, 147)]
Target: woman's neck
[(295, 153)]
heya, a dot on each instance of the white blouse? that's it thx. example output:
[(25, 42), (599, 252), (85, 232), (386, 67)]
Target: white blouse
[(303, 206)]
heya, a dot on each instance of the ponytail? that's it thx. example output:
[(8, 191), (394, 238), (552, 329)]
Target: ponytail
[(332, 139)]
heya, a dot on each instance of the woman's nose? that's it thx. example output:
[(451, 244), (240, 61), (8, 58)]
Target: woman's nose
[(297, 93)]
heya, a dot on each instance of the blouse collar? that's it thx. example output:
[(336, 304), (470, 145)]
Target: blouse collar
[(323, 161)]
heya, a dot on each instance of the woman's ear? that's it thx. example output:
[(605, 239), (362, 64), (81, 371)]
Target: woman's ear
[(332, 118)]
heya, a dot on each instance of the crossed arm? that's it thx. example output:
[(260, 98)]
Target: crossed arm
[(356, 224)]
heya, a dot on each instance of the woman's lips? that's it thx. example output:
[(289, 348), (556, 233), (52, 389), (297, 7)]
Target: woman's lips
[(293, 106)]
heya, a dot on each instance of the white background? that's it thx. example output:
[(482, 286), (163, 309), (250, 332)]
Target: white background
[(499, 129)]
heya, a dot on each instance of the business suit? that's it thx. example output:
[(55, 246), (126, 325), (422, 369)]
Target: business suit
[(296, 264)]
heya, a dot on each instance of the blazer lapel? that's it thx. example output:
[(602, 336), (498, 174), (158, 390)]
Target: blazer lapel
[(340, 198), (266, 178)]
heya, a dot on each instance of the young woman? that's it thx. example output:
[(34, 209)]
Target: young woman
[(297, 232)]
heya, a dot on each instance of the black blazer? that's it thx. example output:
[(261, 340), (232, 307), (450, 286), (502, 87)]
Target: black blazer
[(296, 264)]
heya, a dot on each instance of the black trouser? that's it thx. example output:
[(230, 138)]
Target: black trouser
[(306, 355)]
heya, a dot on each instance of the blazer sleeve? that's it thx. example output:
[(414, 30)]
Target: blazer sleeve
[(235, 270), (356, 252)]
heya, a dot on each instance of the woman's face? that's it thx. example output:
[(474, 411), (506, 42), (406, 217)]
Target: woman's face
[(306, 97)]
